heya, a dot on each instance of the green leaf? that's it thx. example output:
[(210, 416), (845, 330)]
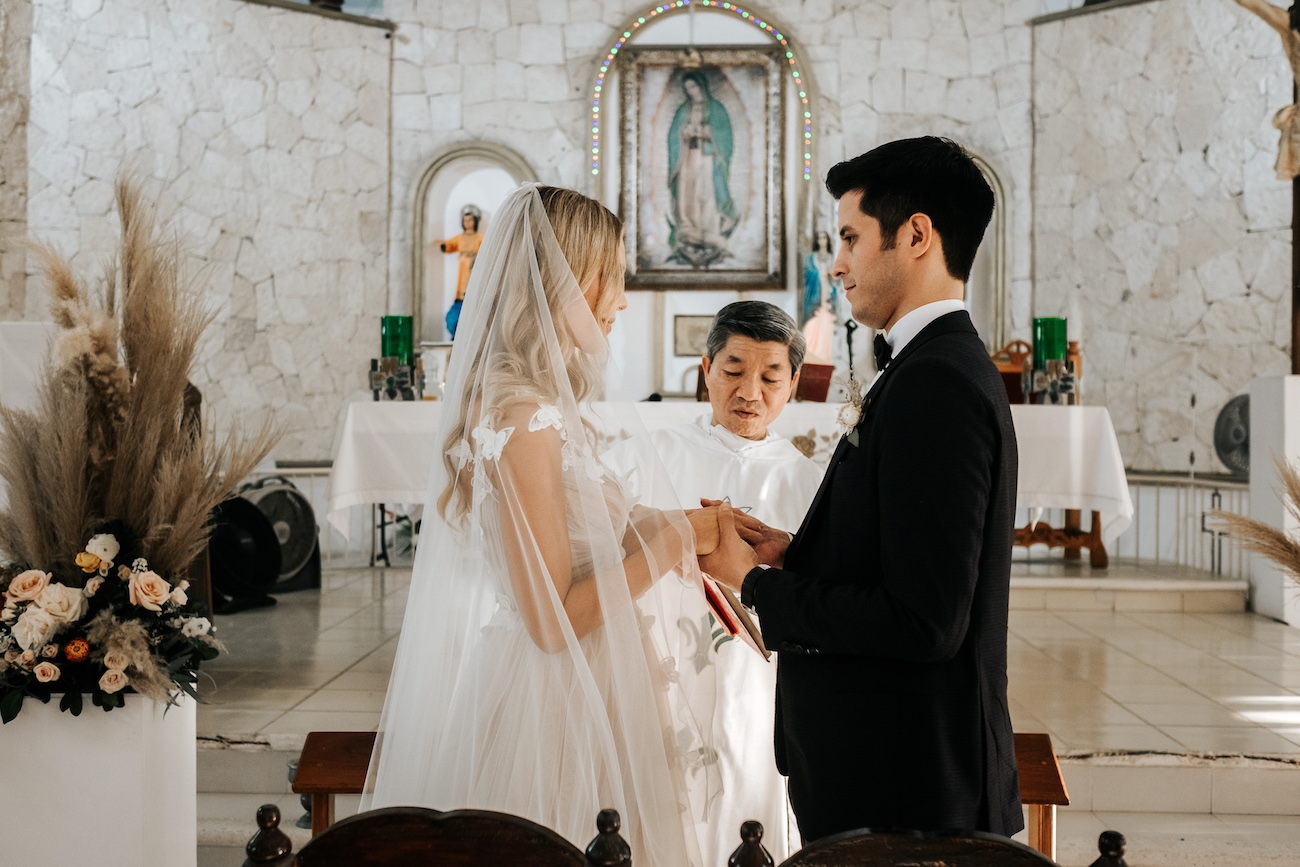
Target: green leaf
[(71, 702), (10, 704)]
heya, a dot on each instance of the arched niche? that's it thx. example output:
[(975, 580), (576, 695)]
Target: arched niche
[(987, 289), (478, 173)]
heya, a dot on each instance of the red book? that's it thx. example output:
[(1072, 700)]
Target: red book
[(733, 617)]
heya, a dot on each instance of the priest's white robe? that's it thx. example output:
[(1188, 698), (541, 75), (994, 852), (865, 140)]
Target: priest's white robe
[(774, 482)]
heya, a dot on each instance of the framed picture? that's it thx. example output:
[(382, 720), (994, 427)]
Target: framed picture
[(691, 335), (702, 169)]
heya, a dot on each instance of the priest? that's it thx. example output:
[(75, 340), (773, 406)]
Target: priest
[(751, 368)]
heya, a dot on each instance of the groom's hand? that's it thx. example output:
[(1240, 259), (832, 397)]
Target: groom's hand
[(731, 561), (768, 543)]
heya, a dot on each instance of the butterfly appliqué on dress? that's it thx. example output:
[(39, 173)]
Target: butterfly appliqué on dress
[(547, 416), (491, 443)]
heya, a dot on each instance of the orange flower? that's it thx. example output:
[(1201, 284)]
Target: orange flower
[(76, 650), (88, 562)]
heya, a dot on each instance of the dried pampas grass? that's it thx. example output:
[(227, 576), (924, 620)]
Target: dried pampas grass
[(109, 440), (1265, 539)]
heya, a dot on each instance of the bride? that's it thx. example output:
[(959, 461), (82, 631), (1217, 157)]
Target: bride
[(528, 677)]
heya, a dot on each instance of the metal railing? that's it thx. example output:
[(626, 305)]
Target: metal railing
[(1170, 526)]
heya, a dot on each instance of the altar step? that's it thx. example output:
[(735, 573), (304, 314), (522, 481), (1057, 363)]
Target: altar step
[(1056, 584)]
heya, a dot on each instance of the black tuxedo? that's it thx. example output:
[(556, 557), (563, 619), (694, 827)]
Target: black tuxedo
[(890, 614)]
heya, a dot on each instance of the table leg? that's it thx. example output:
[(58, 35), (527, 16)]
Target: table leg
[(1073, 519), (322, 812), (1097, 556), (1042, 828)]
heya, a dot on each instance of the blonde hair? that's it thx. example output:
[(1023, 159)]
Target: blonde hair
[(518, 365)]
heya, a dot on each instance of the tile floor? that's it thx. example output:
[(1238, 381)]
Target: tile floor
[(1098, 681), (1095, 680)]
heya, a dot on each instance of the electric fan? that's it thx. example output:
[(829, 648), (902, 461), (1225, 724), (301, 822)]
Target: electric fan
[(1232, 435)]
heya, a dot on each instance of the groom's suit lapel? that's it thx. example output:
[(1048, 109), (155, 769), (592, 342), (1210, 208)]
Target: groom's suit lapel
[(949, 322)]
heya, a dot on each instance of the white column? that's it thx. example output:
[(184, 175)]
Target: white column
[(1274, 433)]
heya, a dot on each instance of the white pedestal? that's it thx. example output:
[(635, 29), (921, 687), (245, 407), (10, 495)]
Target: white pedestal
[(113, 789), (1274, 433)]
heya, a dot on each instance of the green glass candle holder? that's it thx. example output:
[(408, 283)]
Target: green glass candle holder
[(395, 338), (1049, 340)]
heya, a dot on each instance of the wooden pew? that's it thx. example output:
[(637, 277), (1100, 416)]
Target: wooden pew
[(335, 763)]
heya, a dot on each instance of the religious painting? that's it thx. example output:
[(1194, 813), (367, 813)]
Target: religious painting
[(702, 165), (691, 335)]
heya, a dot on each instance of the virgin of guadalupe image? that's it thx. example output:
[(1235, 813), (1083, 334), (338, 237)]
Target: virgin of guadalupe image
[(700, 145)]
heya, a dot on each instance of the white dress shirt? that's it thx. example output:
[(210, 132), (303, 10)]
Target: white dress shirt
[(913, 323)]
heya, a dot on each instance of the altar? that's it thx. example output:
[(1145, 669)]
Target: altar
[(1069, 456)]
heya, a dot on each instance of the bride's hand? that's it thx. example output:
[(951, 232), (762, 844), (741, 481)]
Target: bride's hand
[(704, 522)]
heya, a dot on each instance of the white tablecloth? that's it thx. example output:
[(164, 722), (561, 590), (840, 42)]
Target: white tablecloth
[(1069, 458)]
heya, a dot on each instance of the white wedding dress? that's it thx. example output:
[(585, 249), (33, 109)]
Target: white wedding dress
[(495, 702)]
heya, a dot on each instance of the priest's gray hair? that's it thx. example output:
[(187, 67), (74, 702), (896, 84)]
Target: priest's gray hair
[(757, 320)]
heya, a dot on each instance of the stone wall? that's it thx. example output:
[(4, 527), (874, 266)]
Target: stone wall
[(265, 133), (15, 66), (1160, 228), (519, 72)]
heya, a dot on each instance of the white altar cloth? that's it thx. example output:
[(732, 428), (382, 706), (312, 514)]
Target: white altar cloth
[(1069, 457)]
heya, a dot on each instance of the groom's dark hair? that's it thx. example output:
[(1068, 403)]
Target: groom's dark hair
[(929, 175)]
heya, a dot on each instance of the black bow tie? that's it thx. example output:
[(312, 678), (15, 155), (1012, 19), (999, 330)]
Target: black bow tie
[(884, 352)]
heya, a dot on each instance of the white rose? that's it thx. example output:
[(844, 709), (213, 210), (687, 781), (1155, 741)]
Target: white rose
[(50, 650), (65, 604), (34, 628), (183, 584), (92, 586), (196, 626), (149, 590), (10, 612), (113, 680), (178, 597), (116, 660), (46, 672), (27, 659), (6, 642), (28, 585), (104, 546)]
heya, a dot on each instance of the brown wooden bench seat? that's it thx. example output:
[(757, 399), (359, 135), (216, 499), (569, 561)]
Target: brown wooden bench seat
[(335, 763)]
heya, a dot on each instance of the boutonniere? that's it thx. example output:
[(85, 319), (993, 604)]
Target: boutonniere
[(851, 413)]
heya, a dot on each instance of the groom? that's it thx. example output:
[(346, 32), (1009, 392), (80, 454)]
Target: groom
[(888, 608)]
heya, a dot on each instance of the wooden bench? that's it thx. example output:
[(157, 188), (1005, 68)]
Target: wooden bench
[(335, 763)]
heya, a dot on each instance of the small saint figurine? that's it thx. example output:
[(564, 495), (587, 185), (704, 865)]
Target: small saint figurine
[(820, 308), (1287, 120), (466, 244)]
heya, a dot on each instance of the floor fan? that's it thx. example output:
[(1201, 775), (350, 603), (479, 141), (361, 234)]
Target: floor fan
[(294, 521)]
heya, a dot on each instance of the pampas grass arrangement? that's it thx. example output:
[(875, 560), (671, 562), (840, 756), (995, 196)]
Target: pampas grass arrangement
[(109, 441), (110, 483), (1265, 539)]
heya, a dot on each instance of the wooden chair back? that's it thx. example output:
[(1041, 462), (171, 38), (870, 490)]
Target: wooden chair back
[(395, 836), (865, 848)]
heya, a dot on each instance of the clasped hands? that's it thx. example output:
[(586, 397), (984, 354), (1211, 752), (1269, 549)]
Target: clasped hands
[(729, 543)]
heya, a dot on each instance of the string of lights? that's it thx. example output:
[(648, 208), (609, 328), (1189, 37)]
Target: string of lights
[(684, 5)]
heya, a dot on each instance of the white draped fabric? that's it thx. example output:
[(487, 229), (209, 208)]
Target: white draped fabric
[(774, 482)]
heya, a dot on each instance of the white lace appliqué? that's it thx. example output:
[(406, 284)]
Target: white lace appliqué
[(546, 416), (491, 443), (460, 454)]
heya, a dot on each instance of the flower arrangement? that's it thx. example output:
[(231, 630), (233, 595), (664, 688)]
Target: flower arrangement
[(113, 467)]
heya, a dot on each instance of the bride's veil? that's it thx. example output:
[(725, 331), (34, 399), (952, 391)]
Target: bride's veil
[(495, 702)]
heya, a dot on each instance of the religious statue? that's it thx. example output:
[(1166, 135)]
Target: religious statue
[(819, 310), (466, 244), (1287, 120), (700, 145)]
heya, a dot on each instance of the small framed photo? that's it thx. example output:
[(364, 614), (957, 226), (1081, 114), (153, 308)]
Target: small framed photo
[(691, 335)]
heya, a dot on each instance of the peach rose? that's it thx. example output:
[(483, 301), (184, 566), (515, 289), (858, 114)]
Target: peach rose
[(4, 666), (65, 604), (113, 681), (27, 659), (46, 672), (116, 660), (10, 612), (28, 585), (11, 655), (149, 590), (92, 586)]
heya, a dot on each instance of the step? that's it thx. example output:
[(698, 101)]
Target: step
[(1093, 593), (1153, 782)]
